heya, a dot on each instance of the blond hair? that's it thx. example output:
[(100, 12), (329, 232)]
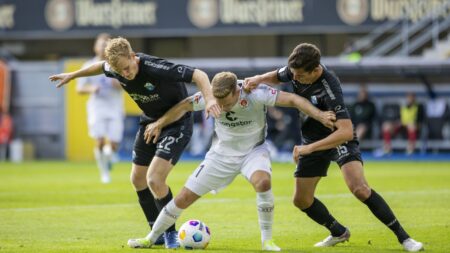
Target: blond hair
[(223, 84), (116, 48)]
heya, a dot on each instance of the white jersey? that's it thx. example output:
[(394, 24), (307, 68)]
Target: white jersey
[(107, 103), (244, 126)]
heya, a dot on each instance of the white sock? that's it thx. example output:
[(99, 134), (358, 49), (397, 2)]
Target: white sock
[(265, 205), (166, 218), (102, 166)]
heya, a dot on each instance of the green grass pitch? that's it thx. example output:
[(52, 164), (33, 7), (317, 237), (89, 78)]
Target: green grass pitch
[(62, 207)]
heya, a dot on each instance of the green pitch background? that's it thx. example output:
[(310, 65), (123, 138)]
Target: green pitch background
[(62, 207)]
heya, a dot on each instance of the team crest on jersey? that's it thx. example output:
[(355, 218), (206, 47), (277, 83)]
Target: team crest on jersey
[(244, 103), (149, 86), (314, 100), (273, 91)]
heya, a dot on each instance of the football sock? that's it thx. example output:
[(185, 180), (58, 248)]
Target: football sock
[(264, 202), (161, 203), (166, 219), (147, 202), (102, 165), (383, 212), (319, 213)]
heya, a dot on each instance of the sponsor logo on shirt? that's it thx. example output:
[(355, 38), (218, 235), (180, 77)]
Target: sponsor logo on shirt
[(149, 86), (156, 65), (144, 99)]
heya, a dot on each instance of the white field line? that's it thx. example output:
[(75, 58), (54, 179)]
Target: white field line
[(221, 200)]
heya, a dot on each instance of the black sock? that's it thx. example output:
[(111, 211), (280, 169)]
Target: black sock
[(161, 203), (383, 212), (319, 213), (147, 202)]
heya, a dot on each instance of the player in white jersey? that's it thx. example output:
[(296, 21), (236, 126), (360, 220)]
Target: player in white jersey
[(239, 149), (104, 111)]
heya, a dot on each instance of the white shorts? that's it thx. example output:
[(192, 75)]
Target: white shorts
[(110, 128), (217, 170)]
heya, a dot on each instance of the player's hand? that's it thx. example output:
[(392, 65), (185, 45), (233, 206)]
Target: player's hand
[(212, 108), (300, 150), (152, 132), (250, 83), (63, 79), (327, 119)]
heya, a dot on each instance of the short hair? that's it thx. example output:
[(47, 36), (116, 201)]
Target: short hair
[(223, 84), (304, 56), (116, 48)]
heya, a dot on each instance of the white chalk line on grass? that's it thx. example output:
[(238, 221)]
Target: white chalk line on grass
[(220, 200)]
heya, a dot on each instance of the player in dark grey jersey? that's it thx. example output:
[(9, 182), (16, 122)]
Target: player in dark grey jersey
[(320, 146), (155, 85)]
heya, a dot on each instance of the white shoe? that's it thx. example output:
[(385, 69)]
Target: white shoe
[(412, 245), (139, 243), (330, 241), (106, 179), (269, 245)]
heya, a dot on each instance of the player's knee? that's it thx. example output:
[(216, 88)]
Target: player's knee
[(362, 192), (302, 202), (139, 183), (262, 185), (157, 187)]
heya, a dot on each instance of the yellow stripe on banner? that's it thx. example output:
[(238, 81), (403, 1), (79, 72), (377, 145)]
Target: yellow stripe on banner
[(79, 146)]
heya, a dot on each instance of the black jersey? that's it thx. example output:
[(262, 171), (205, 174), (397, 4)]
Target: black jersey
[(325, 94), (157, 87)]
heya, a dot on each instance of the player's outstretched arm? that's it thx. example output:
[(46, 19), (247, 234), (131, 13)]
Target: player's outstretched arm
[(201, 79), (64, 78), (153, 130), (343, 133), (270, 78), (286, 99)]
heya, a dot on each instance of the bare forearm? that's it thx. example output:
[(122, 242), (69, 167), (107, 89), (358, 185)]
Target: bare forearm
[(91, 70), (202, 81), (268, 78), (175, 113)]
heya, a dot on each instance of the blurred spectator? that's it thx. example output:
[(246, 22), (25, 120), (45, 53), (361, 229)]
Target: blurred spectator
[(436, 113), (363, 113), (410, 117), (6, 127), (202, 133), (282, 128)]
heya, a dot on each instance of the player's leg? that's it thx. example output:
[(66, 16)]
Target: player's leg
[(97, 131), (309, 171), (166, 218), (142, 155), (412, 137), (115, 135), (356, 182), (256, 168)]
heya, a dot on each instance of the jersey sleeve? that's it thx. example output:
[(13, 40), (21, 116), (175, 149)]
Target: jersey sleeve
[(284, 74), (335, 100), (166, 70), (265, 95), (198, 102)]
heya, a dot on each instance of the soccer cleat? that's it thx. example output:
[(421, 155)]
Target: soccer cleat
[(330, 241), (160, 240), (269, 245), (412, 245), (141, 243), (171, 240)]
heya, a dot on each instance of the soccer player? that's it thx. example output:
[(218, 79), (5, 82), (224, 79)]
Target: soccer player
[(104, 111), (311, 80), (155, 85), (240, 148)]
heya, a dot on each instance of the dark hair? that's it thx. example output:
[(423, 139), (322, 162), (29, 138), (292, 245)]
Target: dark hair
[(304, 56)]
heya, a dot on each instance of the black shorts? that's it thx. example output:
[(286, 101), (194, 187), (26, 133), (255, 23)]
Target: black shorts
[(170, 145), (316, 164)]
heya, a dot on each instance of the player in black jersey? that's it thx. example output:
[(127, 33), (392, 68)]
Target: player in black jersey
[(320, 145), (155, 85)]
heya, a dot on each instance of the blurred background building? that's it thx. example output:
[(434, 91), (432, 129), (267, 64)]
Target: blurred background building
[(391, 47)]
